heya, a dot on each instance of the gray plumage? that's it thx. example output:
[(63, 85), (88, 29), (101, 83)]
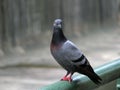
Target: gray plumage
[(68, 55)]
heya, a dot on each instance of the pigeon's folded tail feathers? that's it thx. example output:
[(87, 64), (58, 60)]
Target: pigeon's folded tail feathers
[(88, 71), (95, 78)]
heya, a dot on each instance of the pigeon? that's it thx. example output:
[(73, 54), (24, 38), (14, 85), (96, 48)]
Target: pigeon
[(66, 53)]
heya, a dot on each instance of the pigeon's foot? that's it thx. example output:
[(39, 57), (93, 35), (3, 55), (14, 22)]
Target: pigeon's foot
[(66, 79)]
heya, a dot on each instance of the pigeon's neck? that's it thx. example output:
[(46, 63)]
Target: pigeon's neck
[(58, 37)]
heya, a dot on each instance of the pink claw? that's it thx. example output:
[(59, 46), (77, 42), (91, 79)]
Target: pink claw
[(67, 78)]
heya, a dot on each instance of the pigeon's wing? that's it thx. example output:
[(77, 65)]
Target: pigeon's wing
[(73, 54)]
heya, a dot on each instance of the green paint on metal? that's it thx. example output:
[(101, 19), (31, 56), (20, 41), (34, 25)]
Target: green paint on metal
[(108, 72), (118, 84), (61, 85)]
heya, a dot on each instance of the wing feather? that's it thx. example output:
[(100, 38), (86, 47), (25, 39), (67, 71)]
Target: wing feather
[(73, 54), (70, 51)]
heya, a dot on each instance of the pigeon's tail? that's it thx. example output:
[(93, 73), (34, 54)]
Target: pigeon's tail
[(87, 70), (95, 78)]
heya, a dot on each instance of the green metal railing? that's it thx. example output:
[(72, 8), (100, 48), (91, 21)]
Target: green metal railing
[(108, 72), (118, 84)]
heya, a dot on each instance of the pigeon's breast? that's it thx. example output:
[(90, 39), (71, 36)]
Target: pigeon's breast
[(64, 54), (61, 59)]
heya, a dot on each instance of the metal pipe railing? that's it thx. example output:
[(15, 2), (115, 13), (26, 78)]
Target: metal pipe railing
[(108, 72), (118, 84)]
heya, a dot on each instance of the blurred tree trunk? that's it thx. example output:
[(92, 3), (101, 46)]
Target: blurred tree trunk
[(108, 12), (52, 9), (1, 24), (24, 22), (68, 14), (100, 12), (82, 16), (4, 33)]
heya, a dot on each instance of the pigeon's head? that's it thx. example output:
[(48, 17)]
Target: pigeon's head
[(58, 24)]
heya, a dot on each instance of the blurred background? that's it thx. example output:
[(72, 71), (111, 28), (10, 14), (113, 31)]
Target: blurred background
[(26, 31)]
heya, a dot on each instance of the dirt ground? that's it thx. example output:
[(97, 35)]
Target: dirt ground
[(37, 68)]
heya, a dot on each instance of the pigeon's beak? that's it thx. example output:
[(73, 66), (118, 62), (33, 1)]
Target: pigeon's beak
[(57, 25)]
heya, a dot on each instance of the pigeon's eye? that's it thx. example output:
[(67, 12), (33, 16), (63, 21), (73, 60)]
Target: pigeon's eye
[(61, 23), (57, 23)]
